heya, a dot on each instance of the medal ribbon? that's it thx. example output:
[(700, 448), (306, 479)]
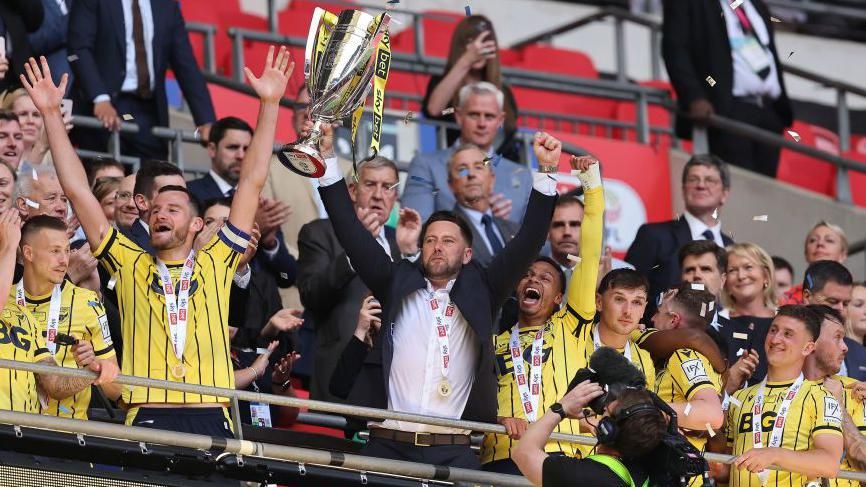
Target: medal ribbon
[(442, 326), (596, 340), (779, 425), (177, 303), (529, 389), (53, 313)]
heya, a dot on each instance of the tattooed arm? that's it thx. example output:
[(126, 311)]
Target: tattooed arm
[(60, 386)]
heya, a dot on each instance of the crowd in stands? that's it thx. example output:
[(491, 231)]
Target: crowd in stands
[(483, 301)]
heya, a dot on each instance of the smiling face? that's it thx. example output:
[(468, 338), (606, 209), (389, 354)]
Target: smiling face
[(621, 309), (172, 223), (444, 251), (29, 118), (857, 310), (7, 187), (46, 253), (745, 278), (830, 347), (470, 179), (823, 243), (11, 142), (703, 190), (788, 342), (376, 191), (480, 118), (48, 195), (538, 293), (125, 211)]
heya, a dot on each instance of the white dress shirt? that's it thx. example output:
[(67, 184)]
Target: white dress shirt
[(746, 81), (221, 183), (698, 228), (475, 217), (130, 82), (320, 207)]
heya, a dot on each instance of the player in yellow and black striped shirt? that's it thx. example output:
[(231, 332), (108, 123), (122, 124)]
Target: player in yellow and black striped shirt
[(687, 381), (45, 255), (540, 294), (810, 440), (174, 223), (20, 338)]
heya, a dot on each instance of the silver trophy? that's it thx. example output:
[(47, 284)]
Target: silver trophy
[(338, 66)]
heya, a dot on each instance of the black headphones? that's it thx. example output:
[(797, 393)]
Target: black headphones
[(608, 427)]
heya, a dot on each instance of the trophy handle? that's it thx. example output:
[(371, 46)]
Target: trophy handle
[(309, 59)]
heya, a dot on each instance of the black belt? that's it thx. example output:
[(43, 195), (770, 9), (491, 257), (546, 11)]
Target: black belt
[(757, 100), (419, 438)]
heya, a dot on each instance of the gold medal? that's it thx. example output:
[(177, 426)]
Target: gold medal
[(178, 371), (444, 388)]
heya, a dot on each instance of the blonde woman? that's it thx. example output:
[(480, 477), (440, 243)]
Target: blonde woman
[(855, 359), (750, 297), (825, 241), (30, 120)]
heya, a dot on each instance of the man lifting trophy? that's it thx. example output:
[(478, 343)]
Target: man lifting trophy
[(344, 52)]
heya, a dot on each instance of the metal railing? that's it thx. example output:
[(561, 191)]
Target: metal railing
[(240, 447)]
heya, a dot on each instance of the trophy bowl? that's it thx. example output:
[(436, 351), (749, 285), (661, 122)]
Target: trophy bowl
[(339, 63)]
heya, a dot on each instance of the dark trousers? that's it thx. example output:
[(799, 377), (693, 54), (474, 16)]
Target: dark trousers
[(200, 421), (506, 466), (459, 456), (142, 144), (743, 152)]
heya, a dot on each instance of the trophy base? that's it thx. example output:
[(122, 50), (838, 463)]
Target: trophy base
[(302, 160)]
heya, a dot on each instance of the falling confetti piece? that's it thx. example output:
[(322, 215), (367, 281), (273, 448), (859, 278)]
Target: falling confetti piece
[(736, 3), (656, 266), (574, 258), (711, 81), (31, 203), (448, 111), (716, 214), (112, 282), (794, 135), (762, 476), (35, 176), (740, 336), (759, 218), (790, 54), (703, 309), (127, 117), (698, 286), (72, 58), (774, 19), (735, 401), (688, 408), (392, 2), (712, 304), (740, 352), (808, 281), (711, 431), (751, 327), (409, 117), (394, 186), (467, 10), (284, 275)]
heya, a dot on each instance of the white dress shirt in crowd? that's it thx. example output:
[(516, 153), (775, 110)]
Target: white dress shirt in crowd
[(475, 217), (698, 228), (130, 82), (746, 81)]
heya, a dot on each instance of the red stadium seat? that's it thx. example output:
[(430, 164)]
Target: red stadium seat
[(659, 116), (437, 34), (548, 59), (857, 179), (565, 104), (807, 172), (228, 102), (405, 83)]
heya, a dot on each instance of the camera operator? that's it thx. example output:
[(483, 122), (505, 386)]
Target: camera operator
[(638, 429)]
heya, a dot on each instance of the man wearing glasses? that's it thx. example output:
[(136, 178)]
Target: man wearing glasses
[(331, 292), (654, 252)]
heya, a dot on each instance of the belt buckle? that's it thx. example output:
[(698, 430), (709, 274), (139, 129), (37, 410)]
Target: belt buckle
[(419, 443)]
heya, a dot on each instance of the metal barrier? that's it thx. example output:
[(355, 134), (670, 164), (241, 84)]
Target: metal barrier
[(241, 447)]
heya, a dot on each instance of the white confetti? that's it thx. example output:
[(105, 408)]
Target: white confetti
[(740, 352), (740, 336), (35, 176), (698, 286), (31, 203), (711, 431), (448, 111), (688, 408), (716, 214), (759, 218), (794, 135), (284, 275), (735, 401), (736, 3), (127, 117), (575, 172), (112, 282), (712, 305), (72, 58), (394, 186), (408, 118), (574, 258), (711, 81), (774, 19), (762, 476), (703, 309)]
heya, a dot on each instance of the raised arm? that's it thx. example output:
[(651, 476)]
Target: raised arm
[(47, 96), (270, 87), (10, 236), (581, 291)]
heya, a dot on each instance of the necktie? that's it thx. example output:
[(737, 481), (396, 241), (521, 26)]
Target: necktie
[(140, 52), (708, 234), (230, 192), (495, 243)]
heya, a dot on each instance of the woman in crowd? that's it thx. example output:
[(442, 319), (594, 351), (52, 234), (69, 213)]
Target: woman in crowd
[(30, 120), (750, 297), (855, 359), (474, 56), (105, 190), (825, 241)]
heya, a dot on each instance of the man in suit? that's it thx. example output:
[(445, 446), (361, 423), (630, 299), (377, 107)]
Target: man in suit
[(50, 39), (150, 178), (121, 51), (654, 252), (434, 353), (17, 19), (480, 116), (471, 181), (331, 291), (230, 138), (723, 60)]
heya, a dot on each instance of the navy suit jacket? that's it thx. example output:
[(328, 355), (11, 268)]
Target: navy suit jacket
[(97, 38), (282, 265), (478, 292), (480, 251), (655, 254), (140, 236)]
